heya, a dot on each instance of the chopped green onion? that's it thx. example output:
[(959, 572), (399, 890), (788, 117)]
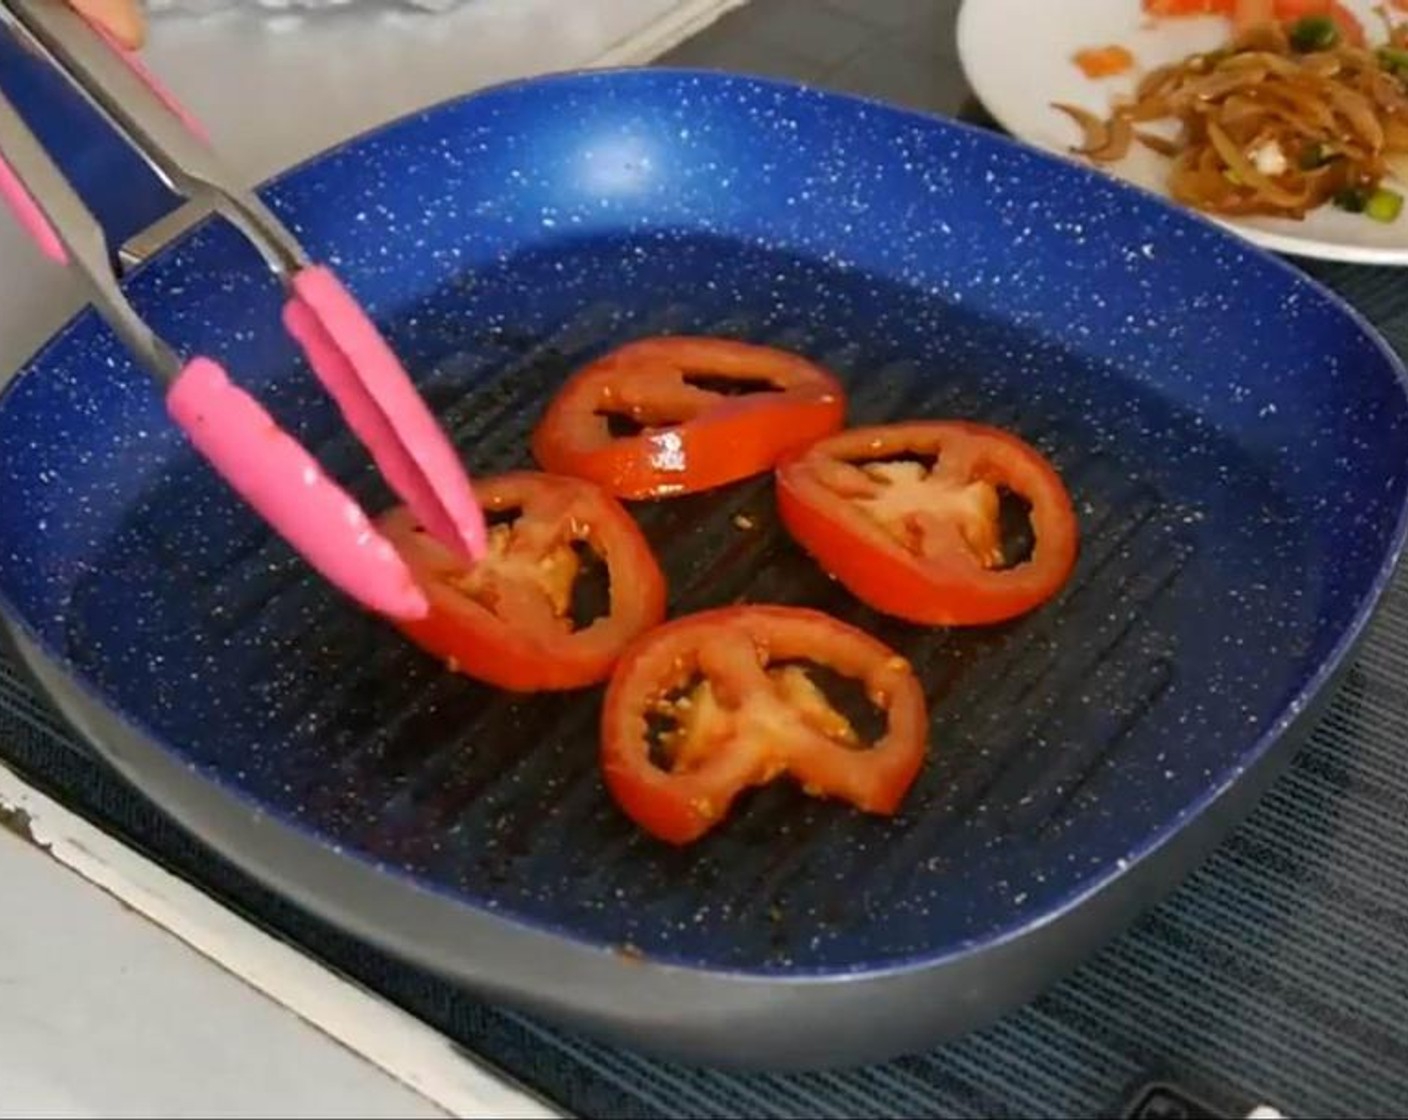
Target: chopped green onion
[(1314, 33), (1394, 58), (1384, 205), (1315, 154), (1353, 199)]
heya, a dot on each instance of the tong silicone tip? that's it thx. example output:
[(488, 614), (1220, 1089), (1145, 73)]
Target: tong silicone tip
[(381, 405), (285, 485)]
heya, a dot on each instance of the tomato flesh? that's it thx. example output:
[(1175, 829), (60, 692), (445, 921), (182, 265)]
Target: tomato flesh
[(696, 432), (1104, 62), (507, 620), (924, 542), (744, 712)]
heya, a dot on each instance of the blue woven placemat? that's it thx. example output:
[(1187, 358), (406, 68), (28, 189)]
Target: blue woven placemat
[(1279, 972)]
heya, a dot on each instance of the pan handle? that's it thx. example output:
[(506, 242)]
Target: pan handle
[(113, 180)]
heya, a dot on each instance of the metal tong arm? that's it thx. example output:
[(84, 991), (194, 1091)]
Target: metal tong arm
[(98, 69), (342, 344), (82, 238)]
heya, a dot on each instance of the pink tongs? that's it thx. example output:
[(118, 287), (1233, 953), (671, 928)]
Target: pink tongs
[(264, 464)]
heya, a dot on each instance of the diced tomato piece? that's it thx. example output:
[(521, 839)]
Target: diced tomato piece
[(507, 620), (908, 518), (742, 711), (1104, 62), (1247, 14), (1177, 8), (711, 411), (1165, 9)]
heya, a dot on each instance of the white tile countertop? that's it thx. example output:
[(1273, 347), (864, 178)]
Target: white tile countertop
[(104, 1014), (127, 992), (122, 990)]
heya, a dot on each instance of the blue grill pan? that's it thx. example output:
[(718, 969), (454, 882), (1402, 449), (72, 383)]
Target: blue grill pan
[(1235, 438)]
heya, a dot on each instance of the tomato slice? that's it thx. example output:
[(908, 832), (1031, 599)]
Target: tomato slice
[(507, 620), (744, 711), (711, 411), (909, 519)]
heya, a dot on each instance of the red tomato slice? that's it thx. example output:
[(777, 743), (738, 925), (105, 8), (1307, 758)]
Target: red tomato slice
[(507, 620), (711, 411), (744, 711), (923, 542)]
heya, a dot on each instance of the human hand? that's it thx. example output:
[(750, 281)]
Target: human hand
[(123, 19)]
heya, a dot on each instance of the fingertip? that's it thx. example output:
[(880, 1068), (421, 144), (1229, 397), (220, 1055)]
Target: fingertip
[(124, 21)]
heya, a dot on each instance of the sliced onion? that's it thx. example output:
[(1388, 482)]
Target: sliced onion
[(1359, 113), (1117, 146), (1097, 135), (1395, 135), (1221, 83), (1397, 164), (1302, 103), (1157, 144), (1322, 64), (1230, 103), (1154, 81), (1245, 170)]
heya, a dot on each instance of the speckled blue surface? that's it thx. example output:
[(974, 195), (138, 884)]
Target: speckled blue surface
[(1235, 442)]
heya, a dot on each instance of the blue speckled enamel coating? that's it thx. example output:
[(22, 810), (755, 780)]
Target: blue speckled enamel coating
[(1236, 442)]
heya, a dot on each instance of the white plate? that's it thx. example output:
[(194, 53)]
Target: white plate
[(1017, 57)]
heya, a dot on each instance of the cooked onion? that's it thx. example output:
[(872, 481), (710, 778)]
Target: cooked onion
[(1264, 129), (1096, 131)]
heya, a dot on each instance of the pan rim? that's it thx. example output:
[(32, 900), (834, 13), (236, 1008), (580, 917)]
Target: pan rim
[(1255, 752)]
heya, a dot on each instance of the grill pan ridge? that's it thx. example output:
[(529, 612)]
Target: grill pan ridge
[(1066, 748)]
